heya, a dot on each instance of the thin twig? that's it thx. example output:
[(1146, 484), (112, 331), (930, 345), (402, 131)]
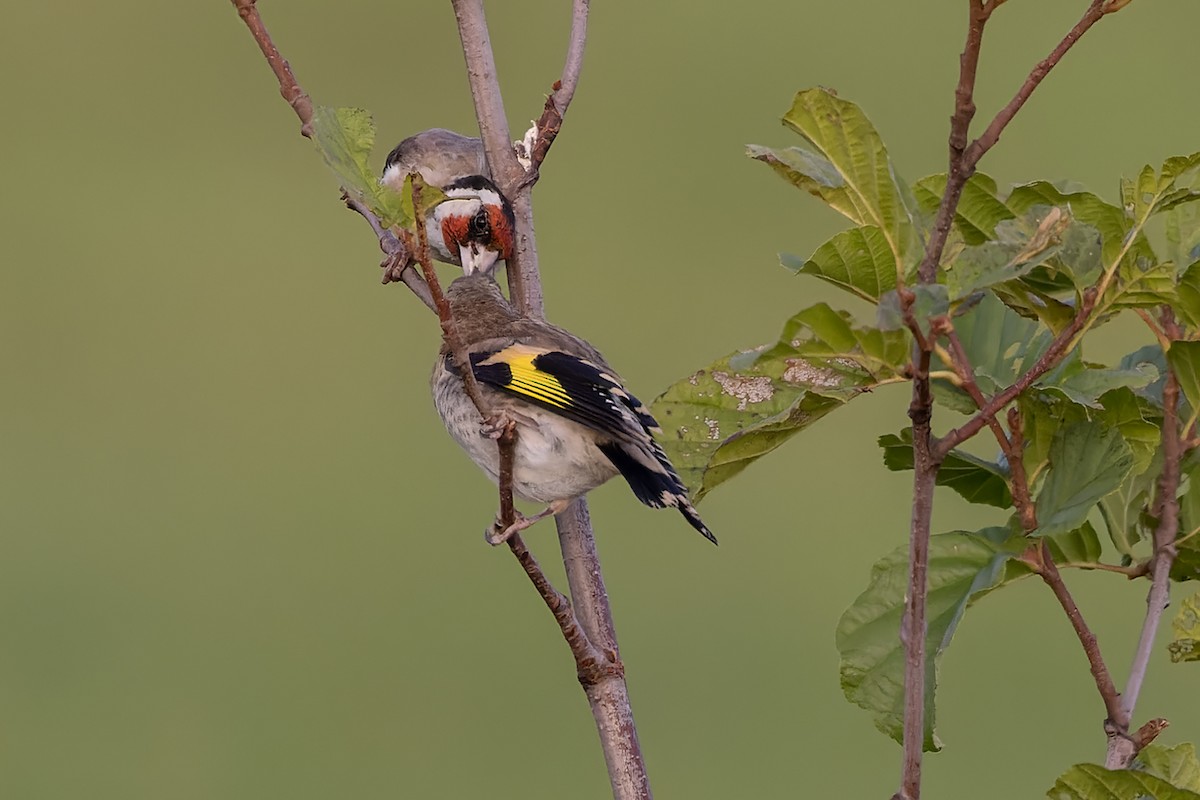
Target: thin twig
[(1042, 562), (550, 123), (296, 97), (1058, 348), (397, 263), (991, 135), (1121, 755)]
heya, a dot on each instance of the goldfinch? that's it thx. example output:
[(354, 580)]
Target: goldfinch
[(577, 425), (473, 227)]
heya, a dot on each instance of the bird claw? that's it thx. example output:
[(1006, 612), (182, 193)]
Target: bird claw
[(493, 427), (498, 533)]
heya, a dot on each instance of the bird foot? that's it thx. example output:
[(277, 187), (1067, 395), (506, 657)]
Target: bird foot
[(493, 427), (498, 533)]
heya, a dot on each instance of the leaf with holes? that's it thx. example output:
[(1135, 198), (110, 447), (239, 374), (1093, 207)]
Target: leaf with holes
[(722, 418)]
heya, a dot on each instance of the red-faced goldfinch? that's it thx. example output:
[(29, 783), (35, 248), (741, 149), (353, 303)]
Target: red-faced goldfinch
[(576, 424), (473, 227)]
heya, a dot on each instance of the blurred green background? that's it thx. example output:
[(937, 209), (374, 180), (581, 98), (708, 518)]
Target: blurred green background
[(239, 558)]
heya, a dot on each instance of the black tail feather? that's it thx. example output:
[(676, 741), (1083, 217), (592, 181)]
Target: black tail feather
[(657, 488)]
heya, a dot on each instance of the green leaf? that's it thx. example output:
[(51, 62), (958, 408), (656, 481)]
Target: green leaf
[(858, 260), (843, 162), (1021, 245), (1087, 461), (1086, 207), (1125, 510), (1000, 345), (1187, 291), (1185, 643), (1184, 358), (963, 566), (1076, 547), (980, 208), (975, 479), (1084, 384), (1093, 782), (345, 137), (1176, 765), (722, 418), (1149, 193)]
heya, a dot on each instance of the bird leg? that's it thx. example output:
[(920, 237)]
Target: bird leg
[(493, 427), (498, 533)]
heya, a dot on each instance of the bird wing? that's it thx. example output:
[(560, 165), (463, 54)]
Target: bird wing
[(573, 387)]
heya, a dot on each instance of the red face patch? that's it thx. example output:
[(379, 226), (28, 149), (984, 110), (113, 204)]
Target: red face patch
[(455, 231), (502, 232)]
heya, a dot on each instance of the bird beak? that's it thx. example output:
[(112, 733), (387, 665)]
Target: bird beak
[(477, 259)]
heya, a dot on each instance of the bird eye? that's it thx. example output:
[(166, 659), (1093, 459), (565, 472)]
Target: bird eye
[(480, 226)]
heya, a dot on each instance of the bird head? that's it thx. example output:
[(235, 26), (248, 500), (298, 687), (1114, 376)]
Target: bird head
[(475, 223)]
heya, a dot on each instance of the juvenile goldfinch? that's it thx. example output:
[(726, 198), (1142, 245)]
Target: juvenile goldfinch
[(576, 424)]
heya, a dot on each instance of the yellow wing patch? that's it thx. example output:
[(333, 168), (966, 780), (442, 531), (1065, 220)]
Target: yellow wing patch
[(527, 379)]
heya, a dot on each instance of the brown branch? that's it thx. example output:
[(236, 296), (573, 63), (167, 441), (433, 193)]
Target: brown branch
[(550, 123), (1039, 559), (1058, 348), (914, 625), (963, 159), (960, 122), (991, 135), (296, 97), (1026, 510), (396, 265)]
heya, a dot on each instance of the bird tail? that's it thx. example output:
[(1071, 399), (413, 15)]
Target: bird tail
[(654, 481)]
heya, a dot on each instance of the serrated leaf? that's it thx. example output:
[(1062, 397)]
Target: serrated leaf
[(722, 418), (858, 260), (979, 210), (975, 479), (843, 162), (1093, 782), (1176, 765), (1185, 642), (345, 137), (1087, 461), (963, 566)]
